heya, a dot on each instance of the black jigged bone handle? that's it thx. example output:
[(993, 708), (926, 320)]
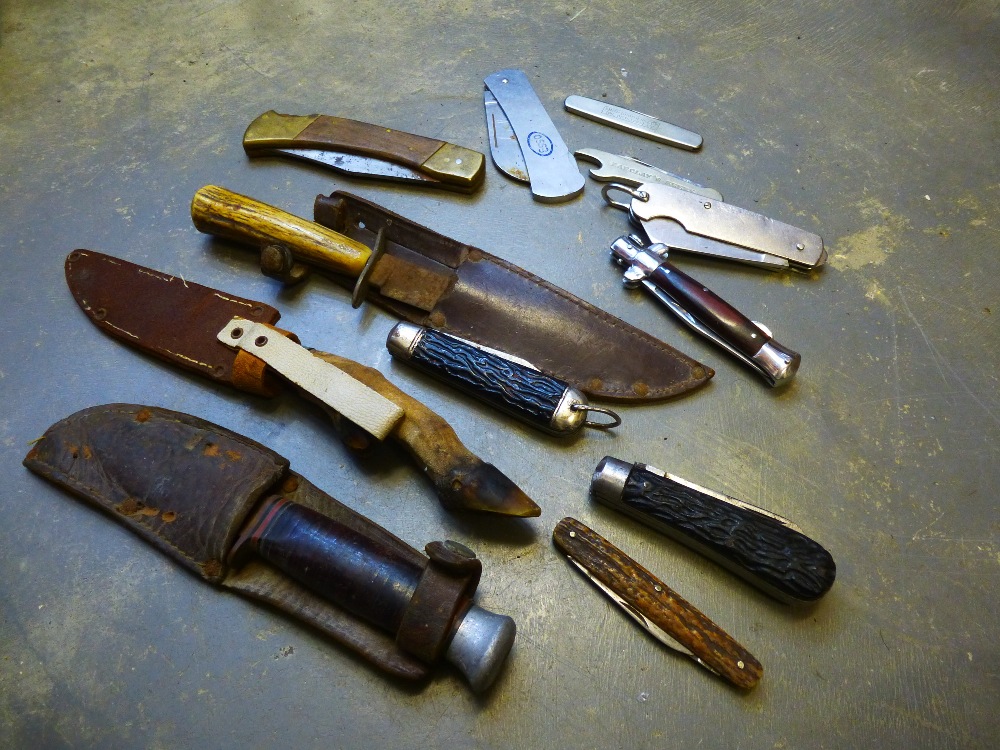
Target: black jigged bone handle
[(544, 402), (761, 548)]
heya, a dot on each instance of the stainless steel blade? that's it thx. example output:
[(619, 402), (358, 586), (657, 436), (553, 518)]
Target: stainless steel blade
[(629, 171), (365, 166), (672, 234), (504, 148), (552, 170), (729, 224)]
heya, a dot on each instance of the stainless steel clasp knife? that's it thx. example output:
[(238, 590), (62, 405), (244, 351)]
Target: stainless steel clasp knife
[(686, 221)]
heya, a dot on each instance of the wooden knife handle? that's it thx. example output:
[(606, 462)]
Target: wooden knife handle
[(435, 158), (216, 210), (645, 595)]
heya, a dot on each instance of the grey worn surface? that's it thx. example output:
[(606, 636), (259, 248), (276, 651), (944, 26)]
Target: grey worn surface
[(875, 125)]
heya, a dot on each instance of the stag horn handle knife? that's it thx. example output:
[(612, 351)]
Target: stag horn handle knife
[(233, 513), (665, 614), (384, 152), (763, 548), (509, 384), (432, 280), (231, 340)]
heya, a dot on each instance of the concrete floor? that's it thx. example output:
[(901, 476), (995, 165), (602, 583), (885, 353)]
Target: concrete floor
[(874, 125)]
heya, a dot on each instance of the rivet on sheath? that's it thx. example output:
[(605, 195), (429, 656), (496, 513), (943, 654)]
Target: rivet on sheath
[(260, 341), (100, 313), (236, 333)]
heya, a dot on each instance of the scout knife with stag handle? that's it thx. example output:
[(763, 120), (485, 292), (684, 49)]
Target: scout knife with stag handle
[(661, 611), (504, 382), (362, 149), (761, 547), (704, 311)]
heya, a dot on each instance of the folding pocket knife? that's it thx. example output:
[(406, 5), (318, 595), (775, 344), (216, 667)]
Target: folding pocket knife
[(359, 148)]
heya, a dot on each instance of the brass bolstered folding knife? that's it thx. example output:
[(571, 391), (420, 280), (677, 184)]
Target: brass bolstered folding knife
[(361, 149)]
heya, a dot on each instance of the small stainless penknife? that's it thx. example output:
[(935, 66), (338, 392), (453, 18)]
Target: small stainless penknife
[(763, 548), (542, 158), (662, 612), (703, 310), (507, 383)]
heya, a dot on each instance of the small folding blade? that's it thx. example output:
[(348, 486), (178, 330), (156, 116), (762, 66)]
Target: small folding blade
[(504, 148)]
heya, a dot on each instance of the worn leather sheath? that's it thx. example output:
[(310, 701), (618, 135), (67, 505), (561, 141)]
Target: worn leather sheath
[(116, 456), (433, 280)]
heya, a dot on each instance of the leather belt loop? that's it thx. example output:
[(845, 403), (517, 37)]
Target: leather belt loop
[(443, 593)]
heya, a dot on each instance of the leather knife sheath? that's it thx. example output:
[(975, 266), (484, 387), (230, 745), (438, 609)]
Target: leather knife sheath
[(188, 487), (432, 280)]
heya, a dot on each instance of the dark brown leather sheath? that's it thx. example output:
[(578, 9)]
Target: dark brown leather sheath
[(433, 280), (117, 456)]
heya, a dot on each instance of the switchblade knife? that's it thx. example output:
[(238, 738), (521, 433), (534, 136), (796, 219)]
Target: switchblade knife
[(233, 513), (359, 148), (661, 611), (761, 547), (704, 311), (232, 340), (435, 281)]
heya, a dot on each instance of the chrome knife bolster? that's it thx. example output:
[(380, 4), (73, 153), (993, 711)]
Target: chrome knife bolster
[(763, 548), (507, 383), (704, 311), (662, 612)]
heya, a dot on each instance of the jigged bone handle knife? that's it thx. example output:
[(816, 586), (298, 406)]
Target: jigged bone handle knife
[(232, 512), (359, 148), (763, 548), (509, 384), (232, 340), (662, 612)]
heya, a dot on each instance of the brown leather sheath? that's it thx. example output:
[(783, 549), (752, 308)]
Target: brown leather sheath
[(433, 280), (188, 487)]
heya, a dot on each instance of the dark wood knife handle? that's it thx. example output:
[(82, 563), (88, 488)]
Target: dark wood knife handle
[(646, 595), (779, 560), (724, 320), (502, 383), (365, 576), (274, 130)]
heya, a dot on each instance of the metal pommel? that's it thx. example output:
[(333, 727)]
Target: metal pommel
[(608, 482), (480, 645), (776, 363)]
